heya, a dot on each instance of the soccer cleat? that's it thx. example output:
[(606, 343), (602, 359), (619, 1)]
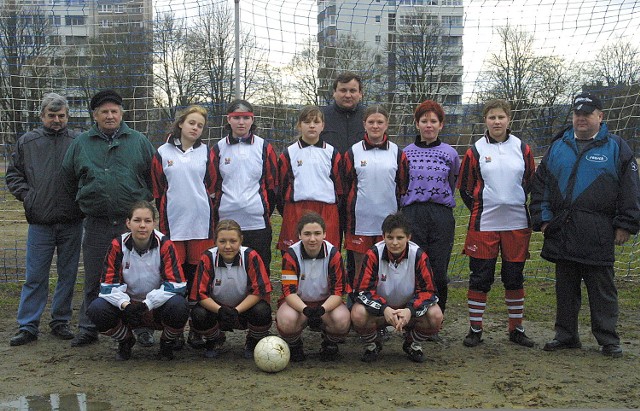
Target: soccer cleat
[(371, 352), (22, 337), (249, 346), (62, 331), (179, 342), (195, 340), (213, 348), (612, 350), (519, 337), (124, 349), (166, 350), (328, 351), (473, 338), (414, 351), (145, 339), (84, 338), (297, 352)]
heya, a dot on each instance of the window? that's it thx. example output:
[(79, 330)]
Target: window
[(119, 8), (451, 2), (106, 23), (451, 40), (74, 20), (378, 39), (55, 40), (76, 40), (55, 20), (452, 21), (378, 19), (105, 8), (378, 59)]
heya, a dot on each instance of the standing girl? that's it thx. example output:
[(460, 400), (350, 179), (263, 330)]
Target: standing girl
[(246, 168), (494, 182), (232, 291), (430, 198), (375, 176), (309, 180)]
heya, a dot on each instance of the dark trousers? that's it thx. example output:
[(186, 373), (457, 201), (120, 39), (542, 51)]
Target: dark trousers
[(259, 315), (433, 229), (98, 233), (260, 240), (173, 313), (603, 301)]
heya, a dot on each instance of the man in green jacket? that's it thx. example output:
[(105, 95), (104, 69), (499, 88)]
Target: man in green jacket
[(106, 168)]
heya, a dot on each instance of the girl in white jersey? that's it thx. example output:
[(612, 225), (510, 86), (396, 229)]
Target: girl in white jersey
[(494, 183)]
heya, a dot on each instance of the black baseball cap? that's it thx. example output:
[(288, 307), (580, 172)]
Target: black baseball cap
[(586, 103), (104, 96)]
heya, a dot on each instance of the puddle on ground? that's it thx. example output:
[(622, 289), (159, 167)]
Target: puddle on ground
[(54, 402)]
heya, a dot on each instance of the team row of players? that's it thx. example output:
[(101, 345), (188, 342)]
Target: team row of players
[(144, 285)]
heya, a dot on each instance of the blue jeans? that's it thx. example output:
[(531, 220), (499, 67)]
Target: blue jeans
[(42, 242), (98, 233)]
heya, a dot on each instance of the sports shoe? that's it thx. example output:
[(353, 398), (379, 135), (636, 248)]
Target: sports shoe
[(195, 340), (179, 342), (213, 348), (62, 331), (473, 338), (519, 337), (371, 352), (249, 345), (84, 338), (612, 350), (434, 338), (328, 351), (166, 350), (297, 352), (22, 337), (145, 339), (555, 345), (414, 351), (124, 349)]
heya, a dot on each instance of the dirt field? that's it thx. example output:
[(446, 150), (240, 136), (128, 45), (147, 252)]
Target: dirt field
[(497, 374)]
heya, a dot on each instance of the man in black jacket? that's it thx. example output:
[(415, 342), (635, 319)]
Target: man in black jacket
[(55, 221)]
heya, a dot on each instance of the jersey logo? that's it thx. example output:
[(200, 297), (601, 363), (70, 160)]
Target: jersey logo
[(299, 163), (302, 277), (472, 248), (383, 277), (169, 163), (227, 161), (597, 158), (127, 265), (634, 167), (487, 159), (218, 282), (363, 163)]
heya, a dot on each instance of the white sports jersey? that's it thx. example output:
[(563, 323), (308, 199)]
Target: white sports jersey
[(311, 166), (188, 207), (397, 283), (313, 283), (230, 285), (241, 167)]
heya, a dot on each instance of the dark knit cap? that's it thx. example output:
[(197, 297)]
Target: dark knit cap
[(103, 96)]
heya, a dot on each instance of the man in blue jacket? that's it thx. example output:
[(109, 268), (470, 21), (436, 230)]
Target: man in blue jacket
[(55, 221), (586, 200)]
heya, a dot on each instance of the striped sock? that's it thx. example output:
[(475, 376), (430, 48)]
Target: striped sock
[(258, 332), (477, 302), (120, 332), (170, 334), (212, 334), (515, 307)]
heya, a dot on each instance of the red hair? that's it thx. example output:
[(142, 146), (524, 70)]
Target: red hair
[(426, 107)]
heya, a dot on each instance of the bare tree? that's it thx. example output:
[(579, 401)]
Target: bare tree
[(24, 66), (616, 64), (304, 68), (178, 81)]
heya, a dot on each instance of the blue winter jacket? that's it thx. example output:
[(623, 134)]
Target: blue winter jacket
[(584, 196)]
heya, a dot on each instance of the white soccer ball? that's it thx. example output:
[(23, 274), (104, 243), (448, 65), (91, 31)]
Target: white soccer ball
[(271, 354)]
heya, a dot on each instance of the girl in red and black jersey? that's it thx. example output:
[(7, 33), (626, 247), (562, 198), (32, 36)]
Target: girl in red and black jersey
[(312, 286), (231, 291), (247, 175), (143, 285), (309, 180), (375, 175), (395, 288)]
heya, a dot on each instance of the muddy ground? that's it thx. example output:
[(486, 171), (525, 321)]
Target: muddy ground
[(496, 374)]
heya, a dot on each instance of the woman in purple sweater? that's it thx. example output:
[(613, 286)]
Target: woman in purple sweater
[(430, 198)]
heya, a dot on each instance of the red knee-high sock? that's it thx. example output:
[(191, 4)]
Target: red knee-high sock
[(477, 302), (515, 307)]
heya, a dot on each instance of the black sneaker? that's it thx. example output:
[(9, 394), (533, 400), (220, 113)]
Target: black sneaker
[(555, 345), (145, 339), (84, 338), (62, 331), (179, 342), (297, 352), (124, 349), (371, 352), (519, 337), (213, 348), (249, 345), (473, 338), (22, 337), (195, 340), (328, 351), (414, 351), (612, 350), (166, 350)]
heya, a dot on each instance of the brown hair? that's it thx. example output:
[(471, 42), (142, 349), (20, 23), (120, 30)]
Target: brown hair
[(182, 116), (309, 113), (374, 110), (145, 205), (228, 225), (346, 77), (310, 218), (493, 104)]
